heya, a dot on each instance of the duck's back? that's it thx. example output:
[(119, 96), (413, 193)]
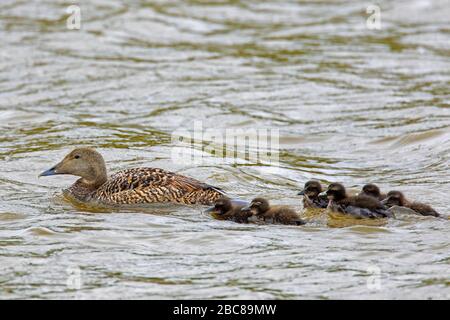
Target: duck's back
[(363, 206), (153, 185), (283, 215), (423, 209), (368, 213), (362, 201)]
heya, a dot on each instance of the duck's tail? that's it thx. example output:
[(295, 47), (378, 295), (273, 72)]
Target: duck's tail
[(207, 195)]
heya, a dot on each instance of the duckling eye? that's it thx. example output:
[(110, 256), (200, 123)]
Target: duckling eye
[(77, 157)]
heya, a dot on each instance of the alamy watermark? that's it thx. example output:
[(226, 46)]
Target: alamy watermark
[(234, 146), (73, 22), (74, 278), (373, 22), (374, 278)]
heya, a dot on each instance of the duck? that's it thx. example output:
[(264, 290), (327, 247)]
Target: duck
[(130, 186), (311, 198), (227, 209), (372, 190), (360, 206), (261, 208), (397, 198)]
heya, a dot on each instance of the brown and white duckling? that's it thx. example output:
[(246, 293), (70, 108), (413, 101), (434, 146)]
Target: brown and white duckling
[(372, 190), (261, 208), (226, 209), (131, 186), (397, 198), (360, 206), (311, 198)]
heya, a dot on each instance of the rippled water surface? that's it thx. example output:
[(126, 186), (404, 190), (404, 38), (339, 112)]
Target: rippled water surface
[(352, 105)]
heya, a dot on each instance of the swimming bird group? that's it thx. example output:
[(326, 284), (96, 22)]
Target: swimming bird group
[(370, 202), (153, 185)]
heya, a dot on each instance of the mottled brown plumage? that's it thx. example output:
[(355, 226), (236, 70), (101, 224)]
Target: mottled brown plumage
[(225, 209), (131, 186), (397, 198), (373, 190), (261, 208)]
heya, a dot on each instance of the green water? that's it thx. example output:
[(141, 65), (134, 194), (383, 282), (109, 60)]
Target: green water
[(351, 104)]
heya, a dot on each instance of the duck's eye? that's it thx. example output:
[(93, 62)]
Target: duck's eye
[(77, 157)]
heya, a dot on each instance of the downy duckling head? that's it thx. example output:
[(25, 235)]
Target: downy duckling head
[(394, 198), (257, 206), (82, 162), (221, 206), (312, 189), (335, 192), (371, 190)]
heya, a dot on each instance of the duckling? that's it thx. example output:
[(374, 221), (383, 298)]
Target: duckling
[(397, 198), (360, 206), (310, 194), (261, 208), (226, 209), (372, 190), (131, 186)]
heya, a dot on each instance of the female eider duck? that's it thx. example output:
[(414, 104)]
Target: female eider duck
[(131, 186), (360, 206), (397, 198), (261, 208), (311, 198)]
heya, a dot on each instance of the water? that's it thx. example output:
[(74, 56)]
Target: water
[(352, 105)]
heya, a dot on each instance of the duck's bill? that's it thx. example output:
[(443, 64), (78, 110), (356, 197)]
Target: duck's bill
[(211, 210), (301, 193), (385, 201), (323, 194), (49, 172)]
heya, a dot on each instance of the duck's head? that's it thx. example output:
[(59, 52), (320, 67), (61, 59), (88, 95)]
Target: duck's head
[(394, 198), (257, 206), (312, 189), (371, 190), (221, 206), (335, 192), (82, 162)]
